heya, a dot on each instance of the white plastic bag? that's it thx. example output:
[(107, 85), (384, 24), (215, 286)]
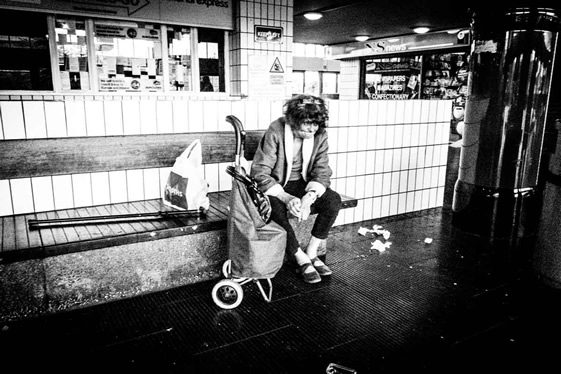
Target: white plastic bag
[(186, 188)]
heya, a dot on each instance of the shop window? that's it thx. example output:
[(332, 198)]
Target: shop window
[(396, 78), (24, 47), (211, 60), (72, 53), (329, 83), (311, 83), (179, 51), (128, 57), (445, 75)]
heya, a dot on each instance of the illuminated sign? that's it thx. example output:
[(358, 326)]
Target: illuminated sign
[(268, 34)]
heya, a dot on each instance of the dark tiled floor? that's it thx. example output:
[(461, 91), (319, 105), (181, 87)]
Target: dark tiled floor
[(456, 305), (459, 304)]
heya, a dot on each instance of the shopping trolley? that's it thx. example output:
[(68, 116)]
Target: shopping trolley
[(256, 245)]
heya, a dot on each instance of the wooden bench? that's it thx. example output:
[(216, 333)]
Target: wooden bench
[(56, 268)]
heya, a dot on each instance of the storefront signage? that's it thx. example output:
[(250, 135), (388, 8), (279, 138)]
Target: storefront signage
[(406, 43), (205, 13), (268, 34)]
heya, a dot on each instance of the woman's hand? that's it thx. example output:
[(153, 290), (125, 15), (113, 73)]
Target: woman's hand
[(293, 204), (306, 202)]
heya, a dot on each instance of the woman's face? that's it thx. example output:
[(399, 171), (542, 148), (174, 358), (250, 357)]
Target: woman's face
[(306, 129)]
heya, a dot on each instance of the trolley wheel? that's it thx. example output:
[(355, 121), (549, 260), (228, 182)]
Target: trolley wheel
[(227, 294), (227, 268)]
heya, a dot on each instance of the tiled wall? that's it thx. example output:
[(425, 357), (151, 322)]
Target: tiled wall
[(391, 155), (243, 47)]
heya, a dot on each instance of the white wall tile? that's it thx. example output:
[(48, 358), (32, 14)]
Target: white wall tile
[(367, 208), (358, 211), (379, 161), (427, 177), (43, 193), (423, 131), (419, 178), (5, 198), (118, 186), (377, 207), (369, 185), (360, 187), (393, 204), (224, 109), (342, 165), (351, 163), (113, 115), (210, 115), (398, 136), (385, 206), (95, 123), (418, 200), (151, 182), (402, 186), (395, 179), (75, 118), (342, 140), (386, 183), (410, 201), (34, 115), (406, 137), (353, 111), (388, 159), (164, 116), (370, 161), (22, 195), (196, 121), (62, 192), (431, 127), (380, 137), (361, 163), (428, 156), (12, 119), (362, 138), (82, 189), (135, 185), (390, 112), (100, 188), (401, 203), (333, 139), (180, 116), (344, 113), (400, 112), (55, 119), (148, 117), (396, 159), (352, 139), (131, 116), (405, 152), (333, 108), (411, 179)]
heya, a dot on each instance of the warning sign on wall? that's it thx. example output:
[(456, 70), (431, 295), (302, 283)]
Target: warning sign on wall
[(277, 67), (267, 77)]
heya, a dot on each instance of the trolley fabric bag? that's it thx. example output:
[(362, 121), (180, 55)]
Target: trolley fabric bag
[(186, 188), (255, 248)]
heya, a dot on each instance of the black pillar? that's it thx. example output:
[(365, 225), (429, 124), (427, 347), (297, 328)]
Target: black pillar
[(511, 62)]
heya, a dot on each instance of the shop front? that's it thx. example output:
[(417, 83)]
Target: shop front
[(99, 47)]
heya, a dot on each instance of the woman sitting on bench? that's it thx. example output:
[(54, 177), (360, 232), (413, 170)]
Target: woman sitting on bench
[(291, 167)]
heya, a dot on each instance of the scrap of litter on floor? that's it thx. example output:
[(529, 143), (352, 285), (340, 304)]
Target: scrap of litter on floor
[(379, 233)]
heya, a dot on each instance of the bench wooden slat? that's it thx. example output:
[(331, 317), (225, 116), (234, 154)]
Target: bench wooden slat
[(8, 234), (34, 237), (93, 230), (58, 234), (41, 157)]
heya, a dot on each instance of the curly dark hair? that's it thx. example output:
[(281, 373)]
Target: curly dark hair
[(306, 107)]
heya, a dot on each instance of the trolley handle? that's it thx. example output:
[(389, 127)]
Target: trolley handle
[(240, 135)]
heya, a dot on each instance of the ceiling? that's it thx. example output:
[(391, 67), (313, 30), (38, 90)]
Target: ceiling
[(343, 20)]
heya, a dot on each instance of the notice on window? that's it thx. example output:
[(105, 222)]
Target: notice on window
[(268, 77)]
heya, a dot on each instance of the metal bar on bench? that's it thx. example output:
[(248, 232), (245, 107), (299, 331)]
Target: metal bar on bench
[(54, 222)]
